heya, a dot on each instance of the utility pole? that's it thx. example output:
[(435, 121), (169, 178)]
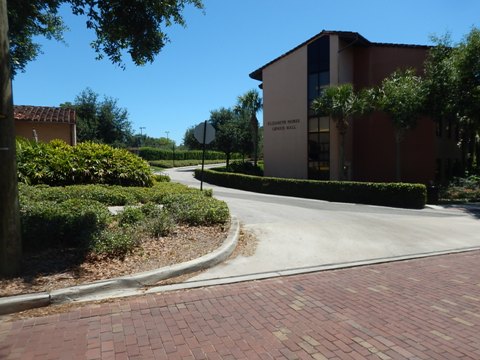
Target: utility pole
[(141, 134), (10, 240)]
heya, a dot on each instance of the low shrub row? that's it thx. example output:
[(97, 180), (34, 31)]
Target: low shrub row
[(59, 164), (166, 164), (78, 217), (150, 154), (387, 194)]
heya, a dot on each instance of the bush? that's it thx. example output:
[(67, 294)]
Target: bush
[(115, 242), (159, 223), (130, 216), (150, 153), (246, 168), (196, 209), (166, 164), (161, 178), (59, 164), (385, 194), (465, 189), (71, 223)]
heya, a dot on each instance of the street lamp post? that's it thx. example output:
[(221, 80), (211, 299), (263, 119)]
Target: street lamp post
[(141, 134), (173, 149)]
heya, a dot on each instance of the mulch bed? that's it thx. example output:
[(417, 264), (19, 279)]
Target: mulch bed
[(56, 269)]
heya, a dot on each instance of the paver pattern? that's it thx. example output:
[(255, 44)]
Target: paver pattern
[(419, 309)]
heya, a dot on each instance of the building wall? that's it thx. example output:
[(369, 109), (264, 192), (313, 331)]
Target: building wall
[(285, 116), (374, 151), (341, 72), (45, 131)]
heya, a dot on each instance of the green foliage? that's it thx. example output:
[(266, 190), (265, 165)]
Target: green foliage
[(196, 209), (161, 178), (161, 223), (26, 20), (152, 154), (121, 27), (70, 223), (166, 164), (115, 242), (386, 194), (57, 163), (246, 168), (402, 96), (71, 216), (465, 189), (340, 103), (130, 216)]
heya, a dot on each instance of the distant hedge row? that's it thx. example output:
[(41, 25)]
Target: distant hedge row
[(150, 153), (386, 194)]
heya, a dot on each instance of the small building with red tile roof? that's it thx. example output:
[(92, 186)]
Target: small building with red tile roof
[(45, 123)]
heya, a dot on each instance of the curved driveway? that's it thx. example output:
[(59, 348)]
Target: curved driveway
[(295, 233)]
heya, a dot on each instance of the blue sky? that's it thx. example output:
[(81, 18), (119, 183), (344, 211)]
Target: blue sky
[(206, 65)]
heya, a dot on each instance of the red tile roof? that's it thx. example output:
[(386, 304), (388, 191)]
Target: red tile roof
[(356, 37), (44, 114)]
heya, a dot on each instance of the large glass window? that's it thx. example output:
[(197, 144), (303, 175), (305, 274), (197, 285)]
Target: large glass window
[(318, 127), (319, 148)]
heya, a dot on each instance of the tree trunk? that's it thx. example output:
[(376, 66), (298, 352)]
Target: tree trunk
[(398, 160), (254, 123), (10, 241)]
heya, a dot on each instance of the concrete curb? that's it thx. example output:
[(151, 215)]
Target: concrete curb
[(302, 270), (114, 287)]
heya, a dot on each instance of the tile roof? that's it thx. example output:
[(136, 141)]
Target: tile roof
[(44, 114), (355, 36)]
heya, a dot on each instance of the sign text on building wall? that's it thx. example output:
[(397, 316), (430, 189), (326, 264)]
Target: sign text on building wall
[(282, 125)]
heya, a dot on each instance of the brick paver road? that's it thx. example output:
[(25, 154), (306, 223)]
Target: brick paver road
[(419, 309)]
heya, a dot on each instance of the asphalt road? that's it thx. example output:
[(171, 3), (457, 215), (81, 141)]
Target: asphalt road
[(295, 233)]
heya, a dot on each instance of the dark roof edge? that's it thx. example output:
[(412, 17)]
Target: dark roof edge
[(257, 74)]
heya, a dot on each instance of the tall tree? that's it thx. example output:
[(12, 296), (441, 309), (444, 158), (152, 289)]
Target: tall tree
[(226, 130), (402, 96), (466, 58), (10, 242), (341, 103), (101, 120), (135, 27), (250, 104)]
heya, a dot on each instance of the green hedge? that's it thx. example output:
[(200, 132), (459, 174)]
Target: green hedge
[(77, 216), (59, 164), (150, 154), (386, 194), (70, 223)]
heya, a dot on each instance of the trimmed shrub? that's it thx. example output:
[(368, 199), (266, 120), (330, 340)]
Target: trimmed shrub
[(59, 164), (166, 164), (159, 223), (196, 209), (150, 153), (115, 242), (130, 216), (71, 223), (240, 167), (386, 194)]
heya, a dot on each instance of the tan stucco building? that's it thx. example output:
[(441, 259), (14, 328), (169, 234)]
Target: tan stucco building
[(44, 123), (298, 144)]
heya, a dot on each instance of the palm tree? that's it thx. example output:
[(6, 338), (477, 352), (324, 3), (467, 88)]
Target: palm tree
[(341, 103), (250, 103)]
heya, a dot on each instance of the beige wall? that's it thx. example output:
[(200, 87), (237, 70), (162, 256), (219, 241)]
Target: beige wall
[(285, 116), (46, 131)]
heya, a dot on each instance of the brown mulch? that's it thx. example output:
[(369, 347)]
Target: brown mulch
[(56, 269), (247, 244)]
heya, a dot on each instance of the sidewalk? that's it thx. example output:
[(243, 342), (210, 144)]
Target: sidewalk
[(424, 308)]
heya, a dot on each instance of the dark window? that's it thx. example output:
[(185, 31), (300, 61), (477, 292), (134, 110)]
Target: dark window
[(318, 127)]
